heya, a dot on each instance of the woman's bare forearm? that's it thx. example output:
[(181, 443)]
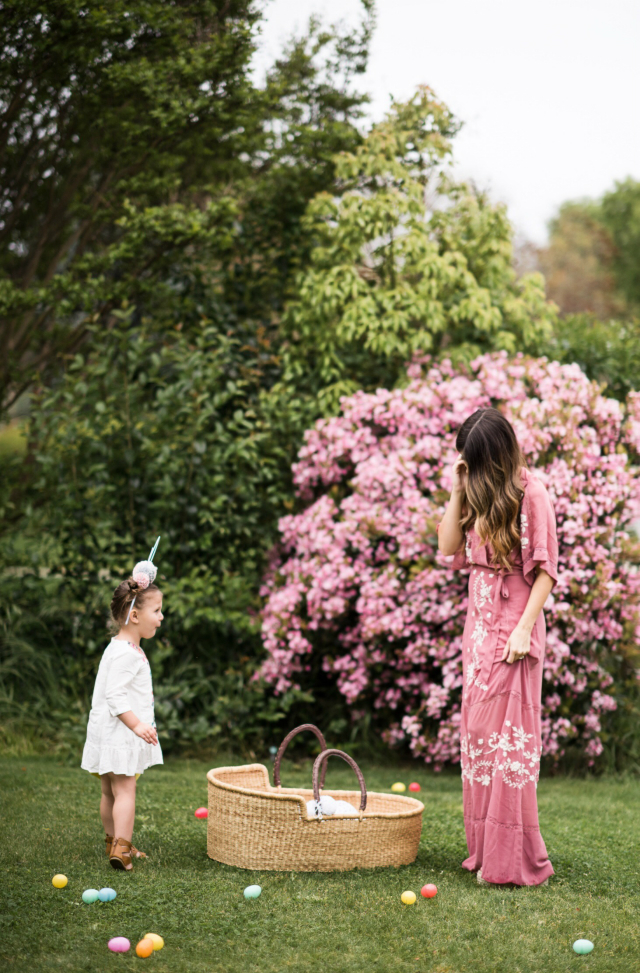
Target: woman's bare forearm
[(450, 536), (537, 596)]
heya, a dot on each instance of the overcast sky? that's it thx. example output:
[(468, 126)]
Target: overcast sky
[(549, 91)]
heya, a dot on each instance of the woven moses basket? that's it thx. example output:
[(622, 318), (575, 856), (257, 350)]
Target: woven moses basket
[(254, 825)]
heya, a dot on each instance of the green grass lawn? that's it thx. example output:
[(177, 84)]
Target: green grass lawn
[(326, 923)]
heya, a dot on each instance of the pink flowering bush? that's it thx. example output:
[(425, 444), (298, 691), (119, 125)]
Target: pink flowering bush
[(358, 590)]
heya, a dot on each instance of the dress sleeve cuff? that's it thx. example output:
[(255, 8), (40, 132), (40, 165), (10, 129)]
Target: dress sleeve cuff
[(540, 559)]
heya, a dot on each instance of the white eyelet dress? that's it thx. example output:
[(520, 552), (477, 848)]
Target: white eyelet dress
[(123, 683)]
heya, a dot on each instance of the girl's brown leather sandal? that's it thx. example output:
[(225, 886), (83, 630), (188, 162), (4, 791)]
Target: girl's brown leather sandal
[(108, 841), (120, 856)]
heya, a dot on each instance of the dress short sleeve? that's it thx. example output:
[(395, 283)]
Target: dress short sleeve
[(122, 670), (459, 558), (539, 539)]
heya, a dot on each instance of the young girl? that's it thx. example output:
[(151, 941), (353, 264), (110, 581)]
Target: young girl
[(121, 736), (501, 523)]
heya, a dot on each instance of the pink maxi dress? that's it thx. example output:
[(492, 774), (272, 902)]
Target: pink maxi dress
[(500, 733)]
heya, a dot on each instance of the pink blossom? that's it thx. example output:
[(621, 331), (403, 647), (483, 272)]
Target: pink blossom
[(358, 580)]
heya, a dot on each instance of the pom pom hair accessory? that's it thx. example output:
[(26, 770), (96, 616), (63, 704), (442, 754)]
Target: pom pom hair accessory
[(144, 574)]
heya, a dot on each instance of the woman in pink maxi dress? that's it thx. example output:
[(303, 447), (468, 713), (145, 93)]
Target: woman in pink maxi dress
[(500, 735)]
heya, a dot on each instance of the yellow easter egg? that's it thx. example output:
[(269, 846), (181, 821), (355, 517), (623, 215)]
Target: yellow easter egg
[(398, 787), (59, 881), (158, 941), (408, 898)]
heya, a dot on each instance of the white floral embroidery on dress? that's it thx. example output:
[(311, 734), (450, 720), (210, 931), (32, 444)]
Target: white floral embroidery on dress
[(524, 540), (467, 548), (515, 773), (481, 592)]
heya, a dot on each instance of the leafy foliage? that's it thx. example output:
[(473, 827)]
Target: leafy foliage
[(143, 438), (607, 351), (404, 259), (621, 215), (110, 114), (133, 140), (578, 263)]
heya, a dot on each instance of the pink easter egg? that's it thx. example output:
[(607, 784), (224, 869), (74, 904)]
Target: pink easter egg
[(201, 812), (119, 944), (414, 787), (428, 891)]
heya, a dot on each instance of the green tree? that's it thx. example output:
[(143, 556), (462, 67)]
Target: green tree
[(405, 260), (134, 146), (590, 266), (578, 263), (621, 216)]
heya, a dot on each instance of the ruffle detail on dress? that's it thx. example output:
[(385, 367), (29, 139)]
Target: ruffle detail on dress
[(120, 760), (507, 854)]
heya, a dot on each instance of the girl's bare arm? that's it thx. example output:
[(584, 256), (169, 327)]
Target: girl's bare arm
[(143, 730)]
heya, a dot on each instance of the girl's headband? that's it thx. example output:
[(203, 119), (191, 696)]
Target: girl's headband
[(144, 574)]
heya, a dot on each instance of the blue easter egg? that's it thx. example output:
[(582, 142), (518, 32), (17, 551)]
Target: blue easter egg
[(90, 895), (107, 895), (582, 946), (252, 891)]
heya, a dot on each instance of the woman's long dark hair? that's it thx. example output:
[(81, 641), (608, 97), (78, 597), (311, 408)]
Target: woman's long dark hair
[(491, 501)]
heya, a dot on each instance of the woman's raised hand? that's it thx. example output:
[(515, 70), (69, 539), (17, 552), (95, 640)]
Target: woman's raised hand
[(459, 471)]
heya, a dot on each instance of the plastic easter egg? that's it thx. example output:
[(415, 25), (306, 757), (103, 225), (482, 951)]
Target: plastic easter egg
[(90, 895), (107, 894), (119, 944), (414, 787), (343, 807), (408, 898), (428, 891), (144, 948), (582, 946), (328, 804), (201, 812), (398, 787), (59, 881), (252, 891), (158, 941)]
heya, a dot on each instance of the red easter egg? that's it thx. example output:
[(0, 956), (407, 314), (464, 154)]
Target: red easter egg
[(428, 891), (201, 812), (414, 787)]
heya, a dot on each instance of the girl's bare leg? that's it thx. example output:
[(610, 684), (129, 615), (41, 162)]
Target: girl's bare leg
[(106, 804), (124, 805)]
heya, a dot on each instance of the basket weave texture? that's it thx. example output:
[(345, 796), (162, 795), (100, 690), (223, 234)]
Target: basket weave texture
[(254, 825)]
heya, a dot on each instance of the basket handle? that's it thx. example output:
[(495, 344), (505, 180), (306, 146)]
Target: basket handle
[(322, 758), (285, 743)]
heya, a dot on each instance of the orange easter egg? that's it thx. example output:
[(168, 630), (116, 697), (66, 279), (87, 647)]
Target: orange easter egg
[(144, 948)]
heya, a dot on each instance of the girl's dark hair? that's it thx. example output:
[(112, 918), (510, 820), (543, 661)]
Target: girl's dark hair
[(493, 491), (122, 598)]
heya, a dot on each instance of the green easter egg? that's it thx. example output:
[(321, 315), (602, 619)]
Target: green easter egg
[(582, 946), (252, 891), (90, 895)]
